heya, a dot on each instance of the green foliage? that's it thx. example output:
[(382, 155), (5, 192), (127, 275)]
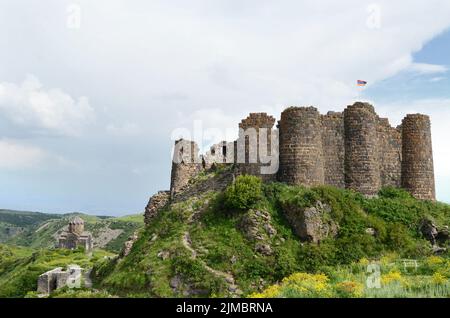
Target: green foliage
[(221, 244), (37, 230), (394, 193), (76, 293), (24, 218), (430, 279), (20, 267), (244, 193)]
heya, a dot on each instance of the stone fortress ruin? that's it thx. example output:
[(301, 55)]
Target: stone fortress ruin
[(354, 149), (58, 278)]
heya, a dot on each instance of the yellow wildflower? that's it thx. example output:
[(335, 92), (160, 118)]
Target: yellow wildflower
[(271, 292), (393, 276), (434, 260), (439, 279), (350, 289), (364, 261)]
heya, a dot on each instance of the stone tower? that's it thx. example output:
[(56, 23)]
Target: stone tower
[(76, 225), (300, 147), (253, 131), (186, 164), (417, 157), (362, 168)]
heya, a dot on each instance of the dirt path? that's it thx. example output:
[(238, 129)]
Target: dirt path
[(229, 279), (187, 243)]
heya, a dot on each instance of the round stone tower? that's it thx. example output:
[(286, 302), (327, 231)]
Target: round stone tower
[(300, 147), (76, 225), (362, 168), (417, 157), (186, 164)]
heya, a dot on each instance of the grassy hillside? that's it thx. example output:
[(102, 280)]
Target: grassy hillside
[(20, 267), (247, 241), (40, 230), (12, 223), (25, 218), (240, 242), (429, 279)]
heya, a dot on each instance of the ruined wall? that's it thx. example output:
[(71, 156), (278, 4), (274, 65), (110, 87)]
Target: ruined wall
[(155, 203), (59, 278), (354, 149), (390, 153), (186, 164), (362, 168), (222, 153), (417, 164), (333, 144), (47, 282), (300, 147), (249, 145)]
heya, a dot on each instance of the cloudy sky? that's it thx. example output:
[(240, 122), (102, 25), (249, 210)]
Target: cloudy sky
[(91, 92)]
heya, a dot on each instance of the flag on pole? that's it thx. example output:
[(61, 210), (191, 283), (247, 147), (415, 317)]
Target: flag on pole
[(361, 83)]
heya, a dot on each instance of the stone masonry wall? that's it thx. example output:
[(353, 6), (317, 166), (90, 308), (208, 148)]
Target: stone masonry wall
[(333, 143), (249, 166), (300, 147), (155, 203), (390, 153), (417, 163), (354, 149), (186, 164), (362, 168)]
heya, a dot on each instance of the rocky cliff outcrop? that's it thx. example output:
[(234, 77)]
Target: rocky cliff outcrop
[(155, 203), (311, 224), (438, 237), (256, 227), (128, 245)]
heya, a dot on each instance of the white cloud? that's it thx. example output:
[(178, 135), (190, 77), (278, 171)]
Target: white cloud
[(145, 62), (436, 79), (31, 107), (232, 55), (18, 156), (424, 68), (127, 129)]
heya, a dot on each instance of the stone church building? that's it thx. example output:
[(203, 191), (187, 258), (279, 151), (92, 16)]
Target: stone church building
[(76, 236)]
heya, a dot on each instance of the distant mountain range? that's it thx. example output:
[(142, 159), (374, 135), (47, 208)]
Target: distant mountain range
[(40, 230)]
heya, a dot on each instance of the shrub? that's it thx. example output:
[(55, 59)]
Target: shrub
[(439, 279), (244, 193), (299, 285), (349, 289), (399, 239), (394, 193), (392, 277)]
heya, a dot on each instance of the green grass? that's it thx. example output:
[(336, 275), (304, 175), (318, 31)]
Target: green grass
[(20, 267), (215, 230), (144, 273), (136, 218), (430, 280), (25, 218), (43, 235), (220, 243)]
